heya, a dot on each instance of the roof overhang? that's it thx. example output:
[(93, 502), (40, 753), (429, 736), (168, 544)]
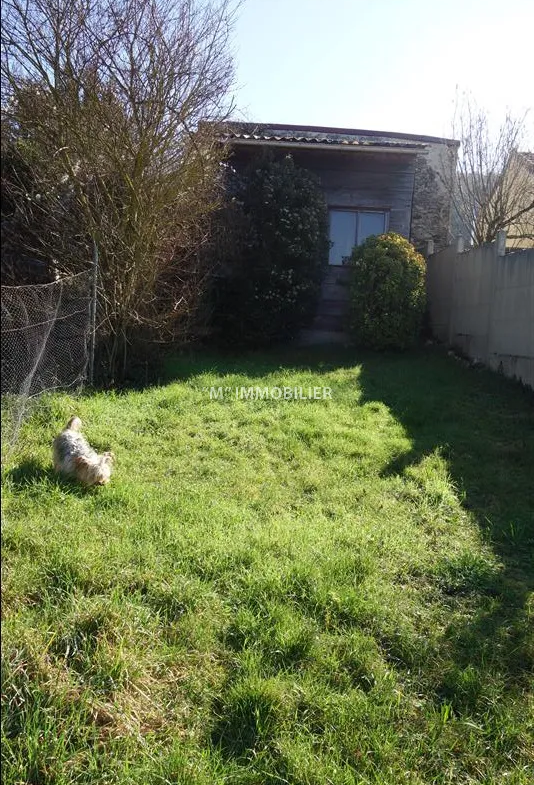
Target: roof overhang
[(331, 146)]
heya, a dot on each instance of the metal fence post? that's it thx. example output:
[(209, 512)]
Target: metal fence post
[(94, 281)]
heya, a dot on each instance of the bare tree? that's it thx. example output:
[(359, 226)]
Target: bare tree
[(104, 99), (492, 186)]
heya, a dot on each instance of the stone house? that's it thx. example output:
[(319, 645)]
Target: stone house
[(373, 181)]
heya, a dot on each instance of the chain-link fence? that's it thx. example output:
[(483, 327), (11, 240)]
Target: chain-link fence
[(46, 344)]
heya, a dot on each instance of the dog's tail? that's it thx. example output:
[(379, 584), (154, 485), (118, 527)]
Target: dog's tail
[(74, 424)]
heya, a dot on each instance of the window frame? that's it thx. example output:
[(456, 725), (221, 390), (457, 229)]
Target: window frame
[(385, 211)]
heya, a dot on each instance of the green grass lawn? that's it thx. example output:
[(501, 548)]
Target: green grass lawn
[(307, 592)]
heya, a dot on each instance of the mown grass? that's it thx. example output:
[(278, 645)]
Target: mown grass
[(306, 592)]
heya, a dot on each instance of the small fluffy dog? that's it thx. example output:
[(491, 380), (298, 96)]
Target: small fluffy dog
[(74, 457)]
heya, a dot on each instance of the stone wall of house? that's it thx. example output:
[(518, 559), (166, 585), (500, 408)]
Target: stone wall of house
[(431, 207)]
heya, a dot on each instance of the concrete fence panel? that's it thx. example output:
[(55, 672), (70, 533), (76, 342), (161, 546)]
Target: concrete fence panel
[(482, 302), (511, 339)]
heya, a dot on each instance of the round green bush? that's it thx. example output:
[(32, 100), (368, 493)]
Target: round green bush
[(387, 290), (275, 265)]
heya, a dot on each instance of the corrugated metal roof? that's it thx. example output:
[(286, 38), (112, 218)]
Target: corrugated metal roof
[(329, 135), (333, 139)]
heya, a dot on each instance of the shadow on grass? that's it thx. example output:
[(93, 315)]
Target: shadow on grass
[(257, 364), (481, 423), (32, 472), (246, 721), (483, 426)]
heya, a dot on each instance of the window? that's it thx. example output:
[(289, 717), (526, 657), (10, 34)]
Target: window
[(352, 227)]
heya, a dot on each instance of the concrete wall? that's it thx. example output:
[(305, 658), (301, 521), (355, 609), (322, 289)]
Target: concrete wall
[(482, 302), (439, 284)]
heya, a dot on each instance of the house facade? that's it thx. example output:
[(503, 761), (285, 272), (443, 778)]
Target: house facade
[(373, 182)]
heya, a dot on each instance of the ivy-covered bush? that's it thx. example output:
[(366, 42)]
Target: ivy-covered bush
[(273, 270), (387, 290)]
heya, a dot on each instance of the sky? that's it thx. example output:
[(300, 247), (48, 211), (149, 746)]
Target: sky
[(389, 65)]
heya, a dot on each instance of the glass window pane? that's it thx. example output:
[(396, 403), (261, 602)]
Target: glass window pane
[(342, 234), (371, 223)]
